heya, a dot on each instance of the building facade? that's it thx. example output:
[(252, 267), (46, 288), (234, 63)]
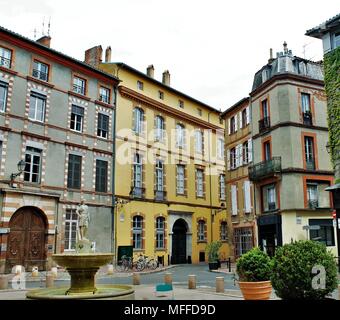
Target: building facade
[(170, 173), (291, 167), (239, 189), (56, 139)]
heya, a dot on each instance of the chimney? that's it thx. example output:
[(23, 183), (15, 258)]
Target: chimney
[(108, 54), (150, 71), (166, 78), (271, 59), (45, 41), (93, 56), (285, 48)]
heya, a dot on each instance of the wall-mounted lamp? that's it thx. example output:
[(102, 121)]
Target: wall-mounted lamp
[(21, 167)]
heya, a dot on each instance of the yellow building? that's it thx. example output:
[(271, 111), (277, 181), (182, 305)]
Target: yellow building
[(170, 169)]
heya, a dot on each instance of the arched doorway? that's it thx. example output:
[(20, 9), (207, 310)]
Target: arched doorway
[(26, 241), (179, 242)]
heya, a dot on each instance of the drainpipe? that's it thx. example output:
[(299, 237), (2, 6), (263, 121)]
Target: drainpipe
[(210, 196)]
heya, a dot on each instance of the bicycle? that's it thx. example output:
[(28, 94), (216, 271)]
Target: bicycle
[(125, 264)]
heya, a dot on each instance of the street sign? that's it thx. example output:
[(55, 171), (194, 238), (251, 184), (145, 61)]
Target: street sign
[(334, 214)]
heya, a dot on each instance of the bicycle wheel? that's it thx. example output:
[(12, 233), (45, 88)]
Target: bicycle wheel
[(152, 264), (140, 266)]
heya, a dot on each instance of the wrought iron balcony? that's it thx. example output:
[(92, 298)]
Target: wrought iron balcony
[(313, 204), (160, 195), (265, 169), (78, 89), (40, 75), (307, 118), (137, 192), (4, 62), (264, 124), (310, 164)]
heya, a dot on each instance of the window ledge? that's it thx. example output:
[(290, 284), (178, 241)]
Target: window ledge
[(202, 241), (104, 104), (80, 96), (8, 70), (44, 83)]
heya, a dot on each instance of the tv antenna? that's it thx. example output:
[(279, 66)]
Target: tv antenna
[(304, 49)]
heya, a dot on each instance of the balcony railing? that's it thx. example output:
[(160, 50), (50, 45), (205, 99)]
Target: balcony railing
[(312, 204), (40, 75), (137, 192), (307, 118), (310, 164), (264, 124), (160, 195), (265, 169), (78, 89), (4, 62)]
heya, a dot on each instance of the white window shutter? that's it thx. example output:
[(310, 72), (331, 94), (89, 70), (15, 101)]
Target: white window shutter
[(250, 150), (234, 200), (229, 126), (247, 200), (228, 159), (237, 156), (240, 119), (240, 154), (236, 122), (247, 115)]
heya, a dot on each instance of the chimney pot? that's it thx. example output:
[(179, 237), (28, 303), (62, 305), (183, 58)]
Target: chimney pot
[(150, 71), (270, 60), (285, 48), (166, 78), (45, 41), (108, 52)]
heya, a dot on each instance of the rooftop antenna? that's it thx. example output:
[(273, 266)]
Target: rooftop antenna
[(49, 27), (304, 49), (35, 33), (43, 27)]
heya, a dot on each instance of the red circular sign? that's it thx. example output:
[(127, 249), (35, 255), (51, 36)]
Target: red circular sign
[(334, 214)]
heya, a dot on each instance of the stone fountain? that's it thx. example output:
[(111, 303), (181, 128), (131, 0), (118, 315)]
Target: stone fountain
[(82, 267)]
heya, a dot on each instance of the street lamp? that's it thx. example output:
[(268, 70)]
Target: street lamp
[(21, 167)]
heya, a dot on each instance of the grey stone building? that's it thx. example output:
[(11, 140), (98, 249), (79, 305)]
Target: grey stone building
[(291, 167), (56, 149)]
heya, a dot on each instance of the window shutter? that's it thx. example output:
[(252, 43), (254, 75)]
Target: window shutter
[(240, 153), (134, 119), (235, 122), (229, 126), (234, 200), (228, 159), (247, 115), (247, 200), (250, 150), (240, 119)]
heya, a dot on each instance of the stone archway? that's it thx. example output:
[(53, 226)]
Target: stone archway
[(27, 238), (179, 242)]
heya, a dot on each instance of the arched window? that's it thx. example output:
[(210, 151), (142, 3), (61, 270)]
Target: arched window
[(138, 115), (137, 230), (160, 233), (180, 135), (159, 128)]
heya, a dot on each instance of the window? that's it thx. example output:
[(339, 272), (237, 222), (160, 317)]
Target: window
[(247, 196), (160, 128), (37, 107), (243, 239), (40, 70), (234, 207), (201, 230), (104, 95), (325, 234), (79, 85), (180, 130), (264, 106), (306, 109), (199, 183), (233, 158), (220, 148), (180, 179), (5, 57), (245, 152), (336, 40), (161, 95), (317, 196), (74, 171), (267, 151), (159, 175), (232, 125), (137, 171), (101, 175), (103, 125), (137, 230), (309, 153), (224, 231), (312, 195), (199, 141), (77, 118), (3, 96), (140, 85), (199, 112), (33, 163), (222, 186), (269, 197), (138, 120), (160, 233), (244, 117), (71, 225), (181, 104)]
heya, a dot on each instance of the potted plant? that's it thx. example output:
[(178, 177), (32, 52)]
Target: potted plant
[(304, 270), (212, 250), (254, 270)]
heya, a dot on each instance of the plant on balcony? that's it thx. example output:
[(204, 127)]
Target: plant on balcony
[(212, 250), (293, 276), (254, 269)]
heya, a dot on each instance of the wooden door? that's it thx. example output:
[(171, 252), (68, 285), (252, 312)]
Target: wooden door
[(26, 241), (179, 242)]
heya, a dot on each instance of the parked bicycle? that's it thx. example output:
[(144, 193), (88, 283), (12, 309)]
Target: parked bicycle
[(146, 262)]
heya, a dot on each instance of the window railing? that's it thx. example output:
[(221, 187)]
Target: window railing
[(137, 192), (271, 206), (310, 164), (160, 195), (40, 75), (312, 203), (104, 98), (264, 124), (307, 118), (5, 62), (265, 169), (78, 89)]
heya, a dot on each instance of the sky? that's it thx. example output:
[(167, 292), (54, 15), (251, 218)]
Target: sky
[(211, 48)]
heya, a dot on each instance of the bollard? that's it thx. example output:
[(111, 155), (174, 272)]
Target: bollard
[(18, 269), (110, 269), (192, 281), (3, 282), (220, 284), (135, 278), (54, 272), (168, 278), (49, 280), (35, 272)]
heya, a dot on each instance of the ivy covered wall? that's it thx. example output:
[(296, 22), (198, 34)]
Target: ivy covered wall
[(332, 86)]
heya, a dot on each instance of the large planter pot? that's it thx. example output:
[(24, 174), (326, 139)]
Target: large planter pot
[(256, 290), (213, 265)]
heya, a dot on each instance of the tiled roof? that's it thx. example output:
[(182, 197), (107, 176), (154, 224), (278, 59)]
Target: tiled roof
[(323, 26)]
